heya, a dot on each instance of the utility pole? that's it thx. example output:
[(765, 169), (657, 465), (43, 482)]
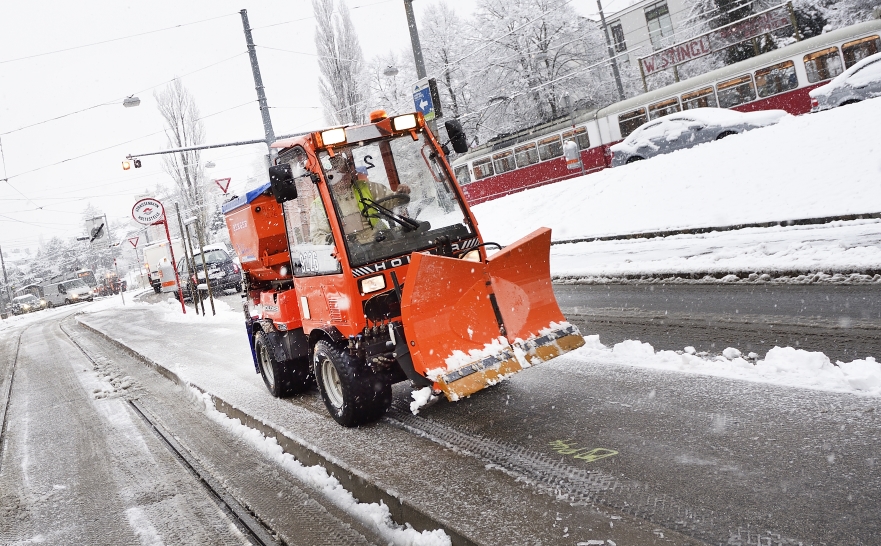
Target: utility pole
[(611, 52), (6, 283), (417, 52), (258, 84)]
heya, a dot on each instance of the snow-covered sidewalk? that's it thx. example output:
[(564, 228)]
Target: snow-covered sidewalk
[(811, 166)]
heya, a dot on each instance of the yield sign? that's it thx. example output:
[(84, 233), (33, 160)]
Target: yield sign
[(134, 241), (223, 184)]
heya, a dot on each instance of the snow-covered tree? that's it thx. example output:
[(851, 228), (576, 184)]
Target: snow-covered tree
[(342, 84), (392, 93), (184, 128)]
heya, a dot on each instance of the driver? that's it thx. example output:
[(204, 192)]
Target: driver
[(350, 188)]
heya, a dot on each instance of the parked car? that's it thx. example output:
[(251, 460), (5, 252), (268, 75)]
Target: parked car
[(223, 272), (686, 129), (28, 303), (860, 82)]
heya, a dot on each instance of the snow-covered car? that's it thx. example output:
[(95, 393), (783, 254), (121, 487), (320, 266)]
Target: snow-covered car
[(223, 272), (860, 82), (28, 303), (687, 129)]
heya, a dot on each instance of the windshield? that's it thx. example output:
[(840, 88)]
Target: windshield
[(74, 284), (25, 299), (212, 257), (392, 197), (88, 277)]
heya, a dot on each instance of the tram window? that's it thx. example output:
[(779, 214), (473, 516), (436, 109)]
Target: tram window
[(823, 65), (483, 168), (579, 135), (629, 121), (776, 79), (736, 92), (462, 174), (549, 148), (669, 106), (858, 50), (703, 98), (504, 162), (526, 155)]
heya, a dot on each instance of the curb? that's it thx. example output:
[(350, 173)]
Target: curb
[(697, 231), (360, 486)]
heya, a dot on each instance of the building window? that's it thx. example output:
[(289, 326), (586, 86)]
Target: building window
[(657, 18), (618, 38)]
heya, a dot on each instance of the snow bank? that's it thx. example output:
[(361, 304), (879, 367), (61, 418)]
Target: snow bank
[(785, 366), (375, 516), (808, 166)]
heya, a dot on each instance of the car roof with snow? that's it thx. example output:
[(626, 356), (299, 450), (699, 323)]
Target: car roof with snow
[(838, 80), (209, 248)]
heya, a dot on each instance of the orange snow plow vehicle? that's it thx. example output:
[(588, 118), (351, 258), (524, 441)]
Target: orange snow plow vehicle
[(364, 267)]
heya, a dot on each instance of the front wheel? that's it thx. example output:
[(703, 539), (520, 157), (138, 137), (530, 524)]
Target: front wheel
[(352, 392), (726, 134), (282, 378), (634, 158)]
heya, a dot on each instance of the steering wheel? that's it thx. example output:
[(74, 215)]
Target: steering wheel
[(393, 200)]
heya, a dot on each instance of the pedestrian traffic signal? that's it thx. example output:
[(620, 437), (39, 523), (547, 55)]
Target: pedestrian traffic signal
[(137, 163)]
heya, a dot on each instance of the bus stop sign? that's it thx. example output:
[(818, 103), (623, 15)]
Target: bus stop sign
[(426, 100)]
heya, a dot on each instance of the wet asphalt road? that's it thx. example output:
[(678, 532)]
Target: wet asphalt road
[(842, 321)]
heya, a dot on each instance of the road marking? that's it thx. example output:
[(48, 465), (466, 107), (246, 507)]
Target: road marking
[(564, 447)]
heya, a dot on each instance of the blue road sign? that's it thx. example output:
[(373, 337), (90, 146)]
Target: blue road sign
[(422, 99)]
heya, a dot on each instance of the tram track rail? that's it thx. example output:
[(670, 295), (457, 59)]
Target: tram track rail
[(7, 396), (247, 522)]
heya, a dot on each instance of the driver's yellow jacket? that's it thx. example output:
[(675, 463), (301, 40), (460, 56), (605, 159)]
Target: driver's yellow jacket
[(351, 208)]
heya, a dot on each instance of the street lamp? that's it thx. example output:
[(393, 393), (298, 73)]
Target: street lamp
[(131, 101), (210, 165), (390, 71)]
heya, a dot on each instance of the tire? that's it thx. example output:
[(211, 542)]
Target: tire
[(634, 158), (851, 101), (66, 302), (352, 392), (49, 305), (239, 287), (725, 134), (281, 378)]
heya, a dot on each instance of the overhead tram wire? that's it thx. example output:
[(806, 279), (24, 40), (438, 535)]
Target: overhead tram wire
[(116, 101), (111, 40)]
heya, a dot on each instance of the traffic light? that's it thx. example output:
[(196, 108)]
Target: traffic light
[(137, 163), (126, 165)]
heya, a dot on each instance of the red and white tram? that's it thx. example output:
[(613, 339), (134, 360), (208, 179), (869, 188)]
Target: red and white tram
[(779, 79)]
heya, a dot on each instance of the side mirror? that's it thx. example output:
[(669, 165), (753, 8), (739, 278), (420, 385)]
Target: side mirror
[(457, 135), (281, 180)]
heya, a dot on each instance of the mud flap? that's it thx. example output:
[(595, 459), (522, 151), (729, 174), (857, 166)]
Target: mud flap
[(469, 325)]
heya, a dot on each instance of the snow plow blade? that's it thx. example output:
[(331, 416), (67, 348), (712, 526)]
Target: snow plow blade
[(469, 325)]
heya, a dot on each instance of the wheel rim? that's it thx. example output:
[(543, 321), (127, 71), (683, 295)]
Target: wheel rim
[(330, 380), (266, 366)]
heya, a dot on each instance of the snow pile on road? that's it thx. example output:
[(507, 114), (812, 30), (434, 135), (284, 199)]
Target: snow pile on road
[(808, 166), (376, 516), (781, 366)]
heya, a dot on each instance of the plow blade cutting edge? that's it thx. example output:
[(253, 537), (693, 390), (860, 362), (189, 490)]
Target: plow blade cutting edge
[(470, 324)]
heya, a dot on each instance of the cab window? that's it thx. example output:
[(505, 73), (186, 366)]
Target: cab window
[(735, 92), (823, 65), (776, 79)]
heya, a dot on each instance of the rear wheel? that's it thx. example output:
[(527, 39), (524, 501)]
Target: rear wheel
[(725, 134), (851, 101), (66, 302), (634, 158), (281, 378), (352, 392)]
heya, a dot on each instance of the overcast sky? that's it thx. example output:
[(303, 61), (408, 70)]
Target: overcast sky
[(66, 67)]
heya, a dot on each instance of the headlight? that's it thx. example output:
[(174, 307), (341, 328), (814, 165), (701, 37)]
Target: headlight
[(333, 136), (372, 284), (473, 256), (402, 123)]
